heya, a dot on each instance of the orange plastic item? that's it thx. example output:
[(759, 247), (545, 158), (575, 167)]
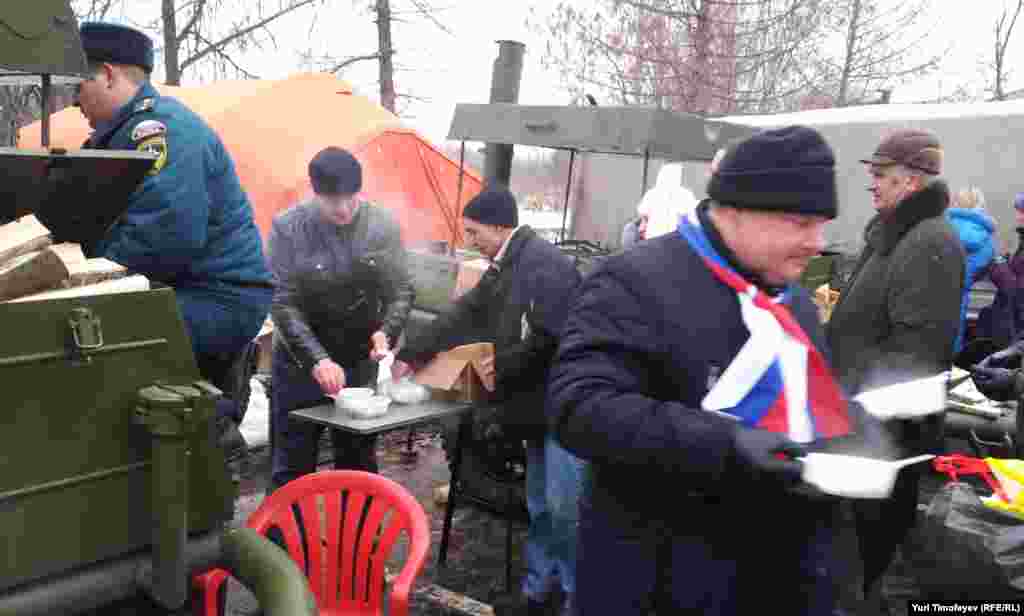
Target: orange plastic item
[(340, 549), (957, 464)]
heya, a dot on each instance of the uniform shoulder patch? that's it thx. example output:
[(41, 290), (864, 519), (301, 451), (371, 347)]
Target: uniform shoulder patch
[(145, 104), (148, 128), (156, 145)]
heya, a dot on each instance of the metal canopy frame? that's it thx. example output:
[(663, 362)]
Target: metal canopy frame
[(626, 131), (39, 41)]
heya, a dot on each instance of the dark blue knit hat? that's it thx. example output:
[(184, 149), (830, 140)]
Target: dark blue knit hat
[(494, 205), (1018, 201), (107, 42), (334, 171), (789, 169)]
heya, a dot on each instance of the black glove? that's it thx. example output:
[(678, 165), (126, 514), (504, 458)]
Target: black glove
[(757, 449), (1007, 358), (995, 383)]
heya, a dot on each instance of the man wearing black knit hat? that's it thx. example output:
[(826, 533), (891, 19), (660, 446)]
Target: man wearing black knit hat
[(690, 375), (898, 318), (520, 304)]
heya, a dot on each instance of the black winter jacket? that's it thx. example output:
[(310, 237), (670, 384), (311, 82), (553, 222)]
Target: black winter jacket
[(520, 306), (899, 315), (647, 332), (335, 286)]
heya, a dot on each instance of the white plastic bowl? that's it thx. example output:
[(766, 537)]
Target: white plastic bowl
[(854, 476), (361, 402)]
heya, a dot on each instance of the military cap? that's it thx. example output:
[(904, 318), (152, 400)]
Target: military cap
[(109, 42)]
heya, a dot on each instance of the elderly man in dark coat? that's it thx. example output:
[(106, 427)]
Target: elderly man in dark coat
[(520, 304), (690, 374), (898, 317)]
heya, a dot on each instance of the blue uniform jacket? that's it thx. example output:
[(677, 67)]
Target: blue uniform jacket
[(189, 224)]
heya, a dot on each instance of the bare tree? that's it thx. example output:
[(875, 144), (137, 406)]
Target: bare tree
[(718, 56), (876, 44), (384, 51), (218, 31), (1003, 31), (385, 15), (94, 10), (706, 56)]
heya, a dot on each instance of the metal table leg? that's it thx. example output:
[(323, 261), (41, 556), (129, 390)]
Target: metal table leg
[(465, 421)]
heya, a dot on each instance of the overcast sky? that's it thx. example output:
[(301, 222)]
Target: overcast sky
[(456, 67)]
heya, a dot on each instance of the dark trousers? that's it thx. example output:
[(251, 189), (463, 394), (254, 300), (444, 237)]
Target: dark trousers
[(294, 443), (715, 561), (883, 525), (221, 325)]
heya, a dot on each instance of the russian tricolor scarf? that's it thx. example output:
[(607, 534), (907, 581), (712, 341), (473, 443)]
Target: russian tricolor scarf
[(778, 381)]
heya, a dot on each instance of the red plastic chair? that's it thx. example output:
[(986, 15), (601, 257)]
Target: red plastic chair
[(346, 568)]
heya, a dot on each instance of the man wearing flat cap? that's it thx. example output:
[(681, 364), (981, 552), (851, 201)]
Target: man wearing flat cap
[(189, 224), (520, 304), (898, 318), (691, 374)]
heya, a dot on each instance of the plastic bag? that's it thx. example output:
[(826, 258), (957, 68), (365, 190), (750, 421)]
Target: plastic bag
[(1010, 475), (963, 548)]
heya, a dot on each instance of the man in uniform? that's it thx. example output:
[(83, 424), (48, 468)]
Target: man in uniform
[(189, 224)]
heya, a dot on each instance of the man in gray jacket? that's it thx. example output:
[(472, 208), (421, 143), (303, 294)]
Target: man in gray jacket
[(898, 317), (341, 299)]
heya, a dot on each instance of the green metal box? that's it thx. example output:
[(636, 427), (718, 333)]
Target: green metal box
[(75, 485)]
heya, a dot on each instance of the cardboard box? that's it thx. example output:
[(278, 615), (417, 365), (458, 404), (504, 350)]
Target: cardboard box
[(470, 273), (456, 374)]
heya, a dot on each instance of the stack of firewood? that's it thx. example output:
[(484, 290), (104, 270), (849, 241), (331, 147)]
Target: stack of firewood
[(30, 263)]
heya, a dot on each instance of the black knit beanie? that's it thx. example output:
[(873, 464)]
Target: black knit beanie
[(334, 171), (494, 205), (788, 169)]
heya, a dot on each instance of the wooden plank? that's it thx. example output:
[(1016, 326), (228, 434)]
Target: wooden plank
[(21, 237), (32, 273), (128, 284), (84, 271), (92, 271)]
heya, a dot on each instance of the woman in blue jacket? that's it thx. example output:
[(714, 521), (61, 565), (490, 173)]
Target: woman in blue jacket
[(975, 227)]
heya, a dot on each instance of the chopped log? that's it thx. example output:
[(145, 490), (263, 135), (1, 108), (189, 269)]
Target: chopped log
[(128, 284), (32, 273), (21, 237), (87, 271), (92, 271)]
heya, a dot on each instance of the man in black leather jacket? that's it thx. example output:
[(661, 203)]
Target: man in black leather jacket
[(342, 296)]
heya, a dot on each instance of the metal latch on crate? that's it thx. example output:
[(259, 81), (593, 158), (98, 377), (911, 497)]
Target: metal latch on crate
[(86, 329)]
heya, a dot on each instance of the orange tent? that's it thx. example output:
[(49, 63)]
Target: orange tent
[(273, 128)]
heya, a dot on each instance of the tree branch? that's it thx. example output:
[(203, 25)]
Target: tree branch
[(213, 47), (427, 12), (197, 11), (348, 61)]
